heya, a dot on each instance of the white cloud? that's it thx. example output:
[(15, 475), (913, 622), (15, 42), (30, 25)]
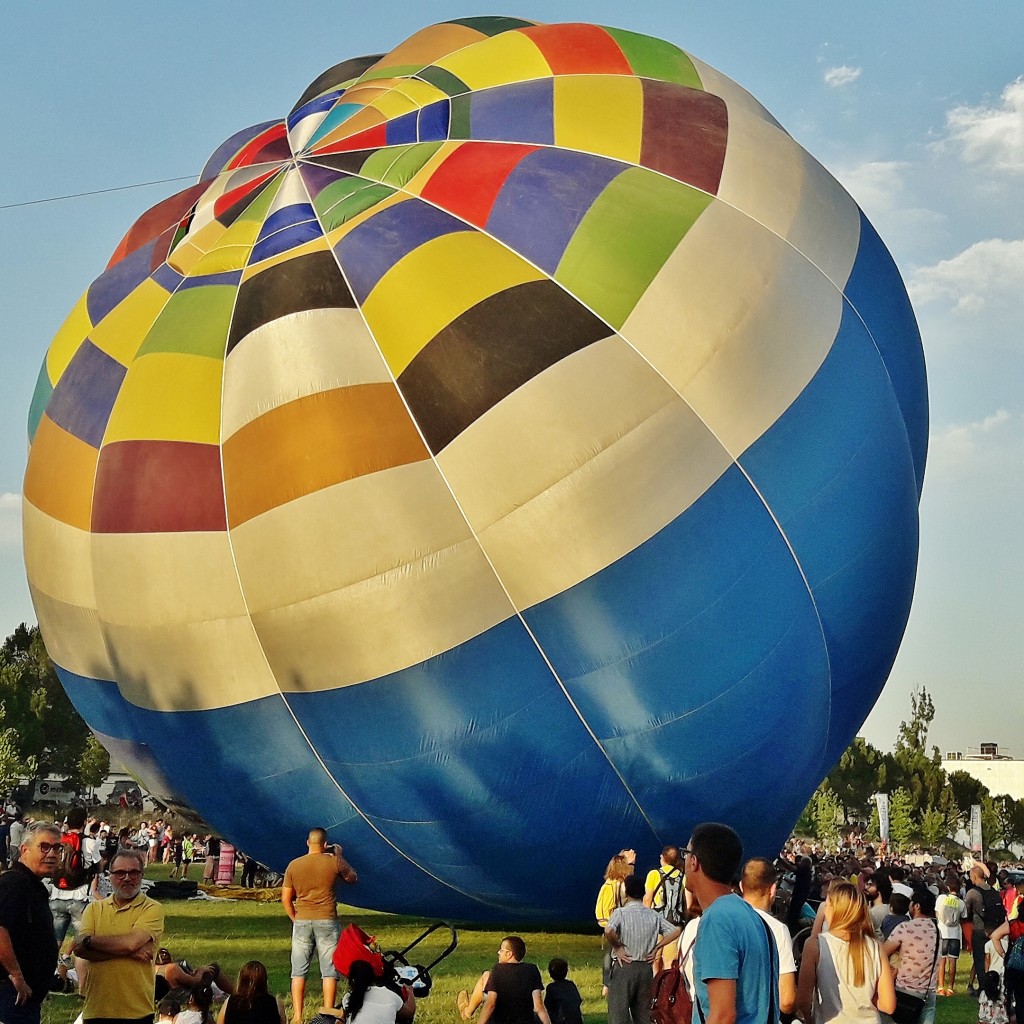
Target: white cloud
[(993, 136), (10, 519), (836, 78), (988, 272), (879, 189), (875, 184), (961, 442), (993, 443)]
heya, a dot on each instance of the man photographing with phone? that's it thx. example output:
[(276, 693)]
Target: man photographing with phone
[(309, 900)]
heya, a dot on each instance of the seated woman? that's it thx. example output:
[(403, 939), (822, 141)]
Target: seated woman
[(177, 976), (376, 1000), (251, 1002)]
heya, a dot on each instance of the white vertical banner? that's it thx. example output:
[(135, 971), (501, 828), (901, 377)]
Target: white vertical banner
[(882, 799), (976, 828)]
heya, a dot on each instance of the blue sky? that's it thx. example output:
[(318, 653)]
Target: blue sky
[(918, 108)]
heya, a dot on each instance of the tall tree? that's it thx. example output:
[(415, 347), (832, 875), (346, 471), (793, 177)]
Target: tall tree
[(991, 827), (950, 811), (913, 735), (912, 767), (94, 764), (966, 791), (855, 778), (827, 814), (46, 735), (934, 828), (1005, 813), (874, 824), (901, 819)]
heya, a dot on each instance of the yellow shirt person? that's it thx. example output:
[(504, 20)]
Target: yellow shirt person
[(119, 938)]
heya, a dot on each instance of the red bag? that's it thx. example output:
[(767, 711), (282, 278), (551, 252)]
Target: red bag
[(670, 1000), (355, 944)]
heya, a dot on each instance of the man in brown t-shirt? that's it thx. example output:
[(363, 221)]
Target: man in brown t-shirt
[(308, 899)]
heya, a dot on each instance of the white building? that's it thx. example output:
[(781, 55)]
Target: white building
[(991, 764)]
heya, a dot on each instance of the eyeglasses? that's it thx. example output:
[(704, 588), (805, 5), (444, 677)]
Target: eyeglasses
[(126, 874), (45, 848), (686, 852)]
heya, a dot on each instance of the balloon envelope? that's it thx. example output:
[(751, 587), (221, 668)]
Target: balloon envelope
[(511, 455)]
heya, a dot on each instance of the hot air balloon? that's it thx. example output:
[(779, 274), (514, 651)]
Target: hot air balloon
[(510, 455)]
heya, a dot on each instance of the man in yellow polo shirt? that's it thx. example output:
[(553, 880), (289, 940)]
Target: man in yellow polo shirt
[(119, 937)]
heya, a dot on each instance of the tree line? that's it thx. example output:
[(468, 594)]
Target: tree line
[(927, 805), (41, 733)]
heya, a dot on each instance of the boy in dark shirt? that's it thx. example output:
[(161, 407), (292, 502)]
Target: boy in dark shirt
[(562, 998), (513, 993)]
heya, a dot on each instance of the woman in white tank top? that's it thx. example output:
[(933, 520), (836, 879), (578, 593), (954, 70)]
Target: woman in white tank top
[(843, 976)]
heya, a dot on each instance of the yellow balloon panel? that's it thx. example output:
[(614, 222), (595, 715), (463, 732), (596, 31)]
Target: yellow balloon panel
[(433, 285), (72, 333), (123, 330), (599, 115), (509, 57), (167, 396)]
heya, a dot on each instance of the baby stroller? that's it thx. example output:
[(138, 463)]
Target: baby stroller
[(355, 944)]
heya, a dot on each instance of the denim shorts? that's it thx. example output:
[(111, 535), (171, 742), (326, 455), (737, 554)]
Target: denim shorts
[(319, 935)]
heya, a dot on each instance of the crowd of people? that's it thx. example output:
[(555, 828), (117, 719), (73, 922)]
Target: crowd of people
[(857, 936), (77, 888), (853, 936), (157, 840)]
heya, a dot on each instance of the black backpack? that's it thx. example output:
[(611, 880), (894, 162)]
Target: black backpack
[(71, 871), (673, 902), (993, 912)]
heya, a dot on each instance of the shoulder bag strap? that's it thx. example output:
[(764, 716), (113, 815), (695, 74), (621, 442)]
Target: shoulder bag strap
[(772, 1015)]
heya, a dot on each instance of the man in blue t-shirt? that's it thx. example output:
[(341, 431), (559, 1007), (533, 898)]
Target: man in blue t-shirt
[(735, 963)]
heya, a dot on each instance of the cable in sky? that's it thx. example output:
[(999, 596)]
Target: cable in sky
[(97, 192)]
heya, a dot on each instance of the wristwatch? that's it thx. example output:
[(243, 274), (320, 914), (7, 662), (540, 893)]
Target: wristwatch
[(86, 942)]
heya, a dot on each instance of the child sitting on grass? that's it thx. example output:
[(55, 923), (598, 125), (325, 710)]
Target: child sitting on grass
[(991, 1005), (562, 998)]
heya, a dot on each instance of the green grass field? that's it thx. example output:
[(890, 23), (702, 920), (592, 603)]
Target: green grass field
[(237, 931)]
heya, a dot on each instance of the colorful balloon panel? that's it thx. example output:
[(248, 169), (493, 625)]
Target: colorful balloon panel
[(510, 455)]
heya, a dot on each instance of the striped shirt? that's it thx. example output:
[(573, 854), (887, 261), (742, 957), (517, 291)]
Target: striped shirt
[(639, 928)]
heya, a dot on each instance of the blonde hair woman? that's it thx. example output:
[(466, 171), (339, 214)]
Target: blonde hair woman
[(612, 894), (844, 978)]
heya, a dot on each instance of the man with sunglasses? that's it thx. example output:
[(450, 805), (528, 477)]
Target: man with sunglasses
[(119, 938), (28, 945)]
